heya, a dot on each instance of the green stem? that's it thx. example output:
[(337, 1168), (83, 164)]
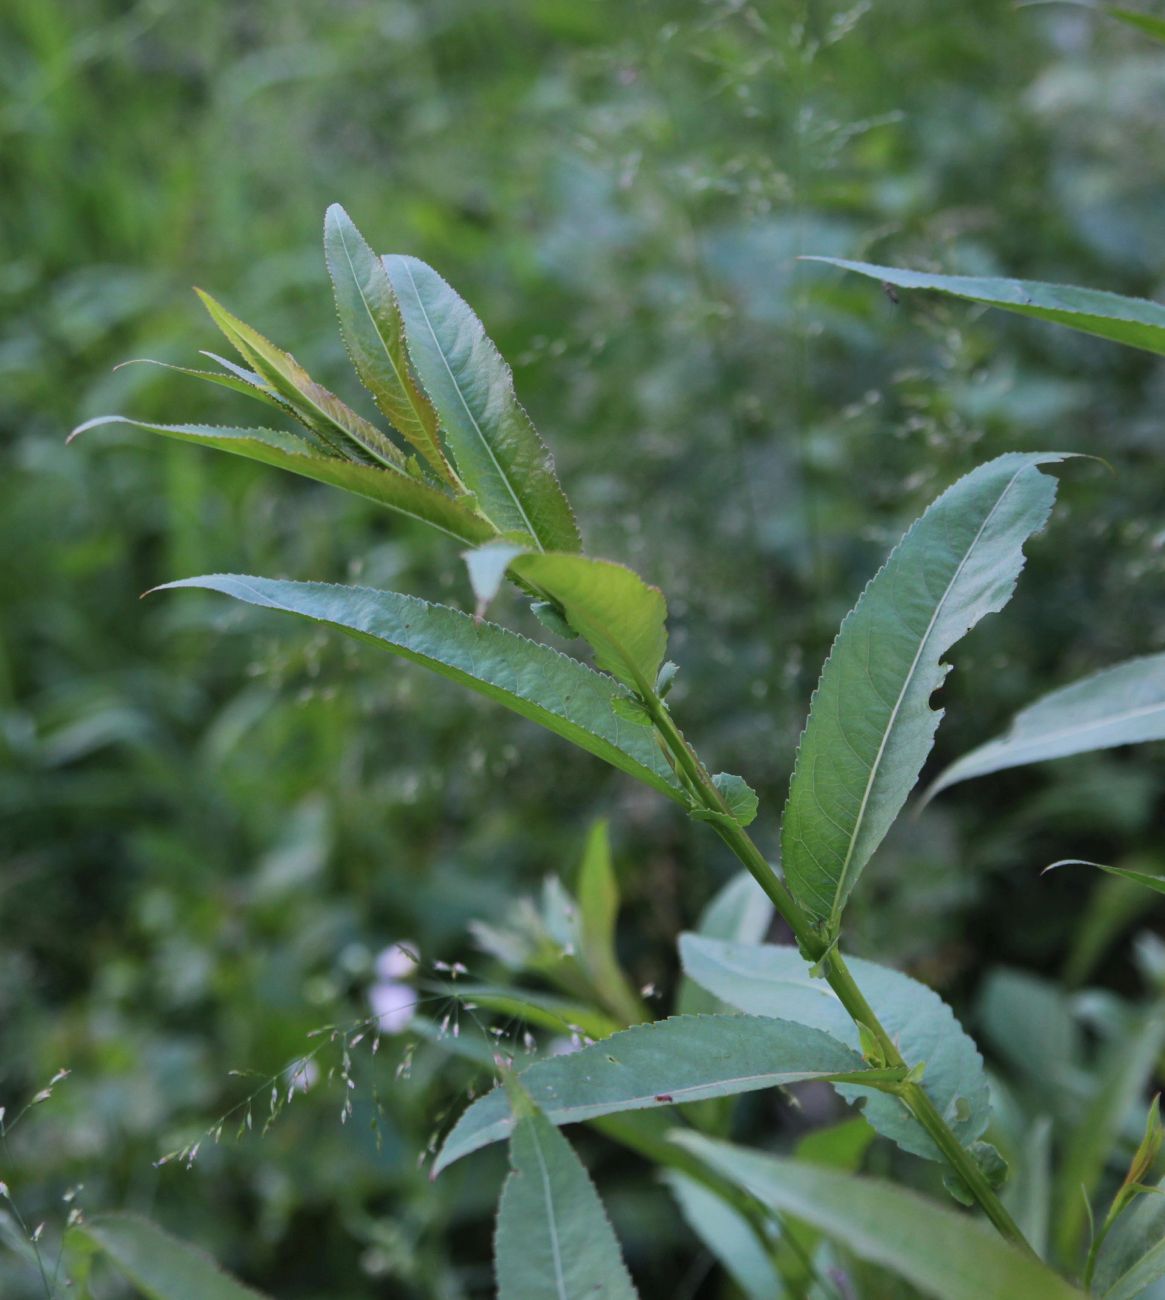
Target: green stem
[(814, 948)]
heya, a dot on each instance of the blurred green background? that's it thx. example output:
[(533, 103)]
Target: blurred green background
[(213, 822)]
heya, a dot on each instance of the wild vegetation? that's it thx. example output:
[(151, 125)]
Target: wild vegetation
[(249, 818)]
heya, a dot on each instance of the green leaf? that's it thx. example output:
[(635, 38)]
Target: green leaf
[(1146, 23), (1127, 1066), (942, 1252), (320, 410), (598, 901), (1122, 705), (539, 683), (727, 1235), (1156, 883), (497, 450), (685, 1058), (159, 1265), (1136, 322), (373, 330), (238, 380), (741, 911), (611, 607), (1132, 1257), (388, 487), (774, 980), (553, 1236), (740, 797), (870, 724)]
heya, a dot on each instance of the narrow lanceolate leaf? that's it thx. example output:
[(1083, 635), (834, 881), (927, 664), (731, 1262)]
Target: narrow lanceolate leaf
[(598, 908), (291, 451), (554, 1240), (773, 980), (1132, 1257), (320, 410), (373, 330), (497, 451), (686, 1058), (1156, 883), (870, 724), (940, 1251), (539, 683), (619, 615), (1122, 705), (1136, 322), (159, 1265), (238, 380)]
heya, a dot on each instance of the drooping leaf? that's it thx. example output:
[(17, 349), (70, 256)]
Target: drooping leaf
[(870, 723), (598, 902), (539, 683), (1132, 1256), (497, 450), (727, 1235), (942, 1252), (1136, 322), (320, 410), (371, 323), (159, 1265), (620, 616), (774, 980), (553, 1236), (1127, 1066), (686, 1058), (1156, 883), (290, 451), (1122, 705)]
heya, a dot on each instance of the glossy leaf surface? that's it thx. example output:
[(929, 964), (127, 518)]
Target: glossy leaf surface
[(686, 1058), (1122, 705), (539, 683), (497, 450), (553, 1239), (943, 1253), (159, 1265), (373, 330), (290, 451), (774, 980), (1136, 322), (870, 724)]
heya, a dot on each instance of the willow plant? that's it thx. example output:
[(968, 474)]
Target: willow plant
[(457, 451)]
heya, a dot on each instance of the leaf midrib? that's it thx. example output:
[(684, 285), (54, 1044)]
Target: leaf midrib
[(839, 892), (556, 1251), (461, 398)]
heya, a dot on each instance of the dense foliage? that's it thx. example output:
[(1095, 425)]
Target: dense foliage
[(216, 831)]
